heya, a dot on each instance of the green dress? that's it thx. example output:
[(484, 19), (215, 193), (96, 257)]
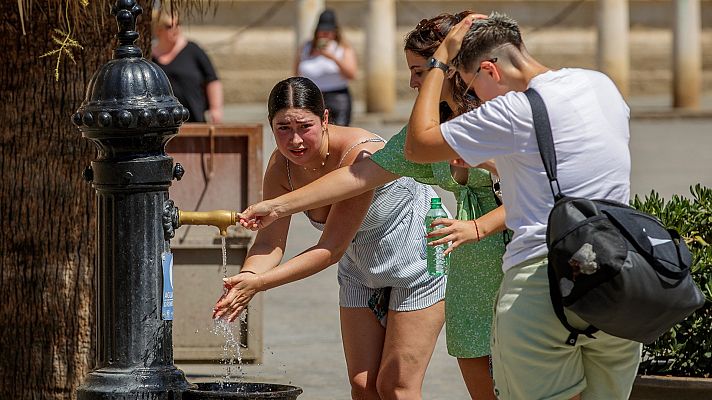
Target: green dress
[(475, 268)]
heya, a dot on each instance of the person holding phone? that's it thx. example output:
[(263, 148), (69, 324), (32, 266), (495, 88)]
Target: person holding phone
[(330, 62)]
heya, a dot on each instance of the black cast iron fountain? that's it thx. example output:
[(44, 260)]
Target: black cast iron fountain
[(130, 114)]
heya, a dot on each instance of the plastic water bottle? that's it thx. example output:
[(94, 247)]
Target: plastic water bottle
[(438, 262)]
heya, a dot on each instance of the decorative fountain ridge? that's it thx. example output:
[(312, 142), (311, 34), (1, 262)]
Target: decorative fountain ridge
[(130, 114)]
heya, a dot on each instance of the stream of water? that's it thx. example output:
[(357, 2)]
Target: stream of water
[(231, 354)]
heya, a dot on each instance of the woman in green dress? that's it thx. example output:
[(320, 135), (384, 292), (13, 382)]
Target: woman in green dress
[(475, 264)]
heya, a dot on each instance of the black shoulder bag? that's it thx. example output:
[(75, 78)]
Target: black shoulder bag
[(617, 268)]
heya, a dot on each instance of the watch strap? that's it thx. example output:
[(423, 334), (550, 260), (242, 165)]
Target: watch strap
[(435, 63)]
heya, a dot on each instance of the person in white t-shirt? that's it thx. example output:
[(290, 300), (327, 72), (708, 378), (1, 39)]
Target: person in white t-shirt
[(590, 127)]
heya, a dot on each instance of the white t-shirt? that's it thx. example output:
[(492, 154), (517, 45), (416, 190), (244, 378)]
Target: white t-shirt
[(589, 123), (324, 72)]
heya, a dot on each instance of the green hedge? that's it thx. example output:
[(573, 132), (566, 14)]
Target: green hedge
[(686, 350)]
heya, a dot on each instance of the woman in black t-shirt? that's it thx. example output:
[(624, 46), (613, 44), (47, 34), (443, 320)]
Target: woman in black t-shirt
[(189, 70)]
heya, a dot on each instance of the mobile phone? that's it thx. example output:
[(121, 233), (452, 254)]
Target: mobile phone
[(321, 43)]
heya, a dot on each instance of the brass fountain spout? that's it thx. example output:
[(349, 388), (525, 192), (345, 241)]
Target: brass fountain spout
[(174, 218), (221, 219)]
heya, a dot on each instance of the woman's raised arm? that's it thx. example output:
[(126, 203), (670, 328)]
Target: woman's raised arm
[(338, 185)]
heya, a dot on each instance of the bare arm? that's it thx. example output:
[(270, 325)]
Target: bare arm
[(341, 226), (488, 165), (492, 222), (338, 185), (348, 65), (214, 92), (268, 248), (425, 142), (342, 223), (344, 220)]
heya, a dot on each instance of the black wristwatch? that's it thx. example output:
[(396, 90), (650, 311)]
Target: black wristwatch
[(435, 63)]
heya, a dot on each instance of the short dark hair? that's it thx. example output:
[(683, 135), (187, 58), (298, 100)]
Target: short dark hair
[(484, 36), (295, 92)]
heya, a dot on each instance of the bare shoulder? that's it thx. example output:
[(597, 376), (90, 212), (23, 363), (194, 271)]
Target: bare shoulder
[(276, 173), (356, 144)]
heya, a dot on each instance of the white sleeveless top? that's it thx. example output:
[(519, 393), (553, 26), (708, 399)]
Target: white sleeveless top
[(321, 70)]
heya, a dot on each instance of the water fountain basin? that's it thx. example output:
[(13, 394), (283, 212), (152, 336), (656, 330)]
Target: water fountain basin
[(241, 390)]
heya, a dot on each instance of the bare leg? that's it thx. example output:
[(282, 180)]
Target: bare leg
[(363, 338), (409, 344), (476, 373)]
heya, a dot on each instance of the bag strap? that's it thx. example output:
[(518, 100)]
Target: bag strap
[(558, 305), (545, 141), (622, 220)]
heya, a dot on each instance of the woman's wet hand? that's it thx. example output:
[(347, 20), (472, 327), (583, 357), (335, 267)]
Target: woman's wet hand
[(239, 290)]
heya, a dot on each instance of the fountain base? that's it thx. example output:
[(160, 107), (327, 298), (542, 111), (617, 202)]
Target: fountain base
[(242, 390)]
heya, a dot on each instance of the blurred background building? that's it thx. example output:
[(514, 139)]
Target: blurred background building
[(253, 43)]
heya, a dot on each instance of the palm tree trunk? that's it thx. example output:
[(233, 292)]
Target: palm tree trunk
[(47, 240)]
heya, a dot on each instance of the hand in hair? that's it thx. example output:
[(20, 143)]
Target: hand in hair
[(450, 46)]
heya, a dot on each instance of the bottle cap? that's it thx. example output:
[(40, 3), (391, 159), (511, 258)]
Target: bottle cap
[(435, 201)]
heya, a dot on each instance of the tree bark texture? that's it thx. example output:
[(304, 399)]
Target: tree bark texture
[(47, 211)]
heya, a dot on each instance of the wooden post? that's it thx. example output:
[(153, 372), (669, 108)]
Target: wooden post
[(613, 44), (687, 54), (380, 56), (307, 14)]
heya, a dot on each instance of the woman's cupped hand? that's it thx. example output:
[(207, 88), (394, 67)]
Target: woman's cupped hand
[(239, 290)]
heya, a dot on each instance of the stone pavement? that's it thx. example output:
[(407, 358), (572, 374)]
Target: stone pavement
[(302, 345)]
